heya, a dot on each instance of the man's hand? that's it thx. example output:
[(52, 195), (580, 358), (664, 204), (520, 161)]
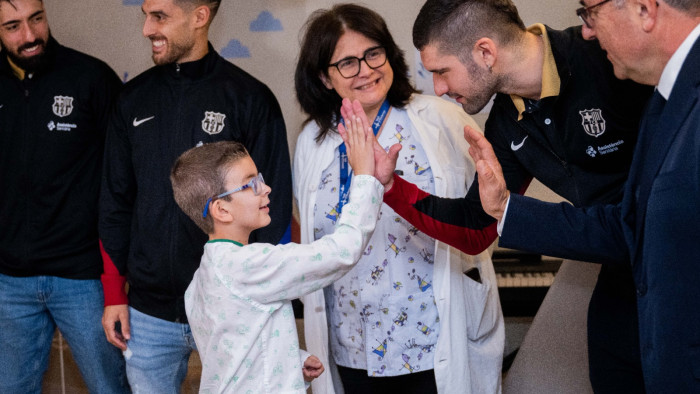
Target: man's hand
[(384, 162), (492, 186), (112, 315), (313, 368)]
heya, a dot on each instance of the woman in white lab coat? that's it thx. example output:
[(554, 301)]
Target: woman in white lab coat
[(405, 319)]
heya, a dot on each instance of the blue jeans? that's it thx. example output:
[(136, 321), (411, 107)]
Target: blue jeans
[(157, 354), (30, 310)]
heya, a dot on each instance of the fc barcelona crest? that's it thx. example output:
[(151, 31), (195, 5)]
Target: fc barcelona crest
[(213, 122), (62, 105), (593, 122)]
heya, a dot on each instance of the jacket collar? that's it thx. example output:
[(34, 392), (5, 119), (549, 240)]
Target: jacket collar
[(651, 156), (560, 46), (551, 82), (52, 47), (674, 65), (195, 69), (681, 102)]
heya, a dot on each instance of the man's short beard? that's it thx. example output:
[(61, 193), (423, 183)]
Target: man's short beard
[(29, 63), (483, 91), (174, 55)]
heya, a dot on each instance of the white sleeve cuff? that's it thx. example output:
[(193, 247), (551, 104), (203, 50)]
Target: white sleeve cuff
[(499, 227), (303, 355)]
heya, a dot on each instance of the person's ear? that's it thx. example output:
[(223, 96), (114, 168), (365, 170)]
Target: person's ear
[(647, 11), (221, 211), (485, 52), (326, 81), (201, 16)]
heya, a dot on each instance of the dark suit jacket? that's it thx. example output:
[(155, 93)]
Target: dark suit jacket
[(655, 227)]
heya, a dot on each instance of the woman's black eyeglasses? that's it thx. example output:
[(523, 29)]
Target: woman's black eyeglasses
[(350, 66)]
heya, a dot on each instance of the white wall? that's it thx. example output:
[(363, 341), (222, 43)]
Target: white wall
[(111, 31)]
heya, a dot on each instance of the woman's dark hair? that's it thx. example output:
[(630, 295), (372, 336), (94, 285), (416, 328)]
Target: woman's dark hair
[(321, 34)]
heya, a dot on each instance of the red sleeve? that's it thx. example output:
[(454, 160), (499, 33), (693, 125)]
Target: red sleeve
[(404, 195), (113, 284)]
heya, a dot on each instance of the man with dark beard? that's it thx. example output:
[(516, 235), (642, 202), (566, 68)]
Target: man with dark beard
[(52, 128), (192, 96), (560, 116)]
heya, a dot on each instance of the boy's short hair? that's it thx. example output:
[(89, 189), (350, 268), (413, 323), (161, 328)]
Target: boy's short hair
[(200, 173)]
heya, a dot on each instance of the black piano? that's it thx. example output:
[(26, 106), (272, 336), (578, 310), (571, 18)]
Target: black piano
[(523, 280)]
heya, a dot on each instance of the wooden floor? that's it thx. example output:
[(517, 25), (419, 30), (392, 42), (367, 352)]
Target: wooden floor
[(66, 379)]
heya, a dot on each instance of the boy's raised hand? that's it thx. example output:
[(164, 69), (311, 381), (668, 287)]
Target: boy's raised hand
[(359, 141)]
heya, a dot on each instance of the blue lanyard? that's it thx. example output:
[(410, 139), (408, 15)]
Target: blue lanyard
[(345, 175)]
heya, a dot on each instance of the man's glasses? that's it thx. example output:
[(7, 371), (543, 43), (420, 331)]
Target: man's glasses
[(585, 13), (256, 184), (350, 66)]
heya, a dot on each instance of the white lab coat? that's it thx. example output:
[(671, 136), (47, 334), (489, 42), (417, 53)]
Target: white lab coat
[(469, 352)]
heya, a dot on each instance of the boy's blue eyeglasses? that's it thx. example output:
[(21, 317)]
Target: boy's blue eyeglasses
[(256, 184)]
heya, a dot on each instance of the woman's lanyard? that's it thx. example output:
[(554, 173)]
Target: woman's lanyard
[(345, 175)]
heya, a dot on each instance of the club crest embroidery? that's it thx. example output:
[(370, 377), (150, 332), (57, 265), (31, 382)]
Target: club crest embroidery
[(593, 122), (213, 122), (62, 106)]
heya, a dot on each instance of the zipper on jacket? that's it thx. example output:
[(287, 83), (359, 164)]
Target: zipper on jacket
[(174, 258), (561, 161), (28, 175), (25, 85)]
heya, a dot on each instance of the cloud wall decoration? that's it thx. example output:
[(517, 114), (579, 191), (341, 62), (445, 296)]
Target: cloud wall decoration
[(266, 22), (234, 49)]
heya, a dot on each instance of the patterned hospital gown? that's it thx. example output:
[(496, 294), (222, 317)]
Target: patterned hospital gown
[(238, 303)]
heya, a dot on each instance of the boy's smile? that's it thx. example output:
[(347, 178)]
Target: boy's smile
[(250, 211)]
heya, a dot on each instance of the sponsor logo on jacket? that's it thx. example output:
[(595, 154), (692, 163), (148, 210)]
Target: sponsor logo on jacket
[(605, 149), (62, 106), (213, 122), (61, 126), (593, 122)]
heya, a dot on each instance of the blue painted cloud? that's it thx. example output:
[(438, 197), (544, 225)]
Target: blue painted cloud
[(131, 2), (266, 22), (234, 49)]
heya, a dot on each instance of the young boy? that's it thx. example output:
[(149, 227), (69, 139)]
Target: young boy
[(238, 303)]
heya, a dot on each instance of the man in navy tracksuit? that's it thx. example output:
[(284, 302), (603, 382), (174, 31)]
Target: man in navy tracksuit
[(191, 97), (560, 116), (52, 128)]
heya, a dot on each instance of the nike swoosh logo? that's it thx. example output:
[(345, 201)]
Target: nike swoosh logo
[(138, 123), (520, 145)]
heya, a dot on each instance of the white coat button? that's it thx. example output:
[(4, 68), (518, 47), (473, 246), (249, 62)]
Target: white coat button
[(548, 121)]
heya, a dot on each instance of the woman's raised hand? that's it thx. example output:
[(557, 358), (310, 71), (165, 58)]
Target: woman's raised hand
[(384, 162), (359, 141)]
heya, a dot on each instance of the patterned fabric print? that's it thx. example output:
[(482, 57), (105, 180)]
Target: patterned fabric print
[(238, 301), (383, 315), (235, 360)]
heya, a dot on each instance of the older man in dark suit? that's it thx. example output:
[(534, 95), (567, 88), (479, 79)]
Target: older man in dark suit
[(654, 227)]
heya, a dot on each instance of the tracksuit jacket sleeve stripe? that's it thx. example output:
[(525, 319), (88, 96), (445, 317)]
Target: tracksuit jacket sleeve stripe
[(406, 199), (113, 284)]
